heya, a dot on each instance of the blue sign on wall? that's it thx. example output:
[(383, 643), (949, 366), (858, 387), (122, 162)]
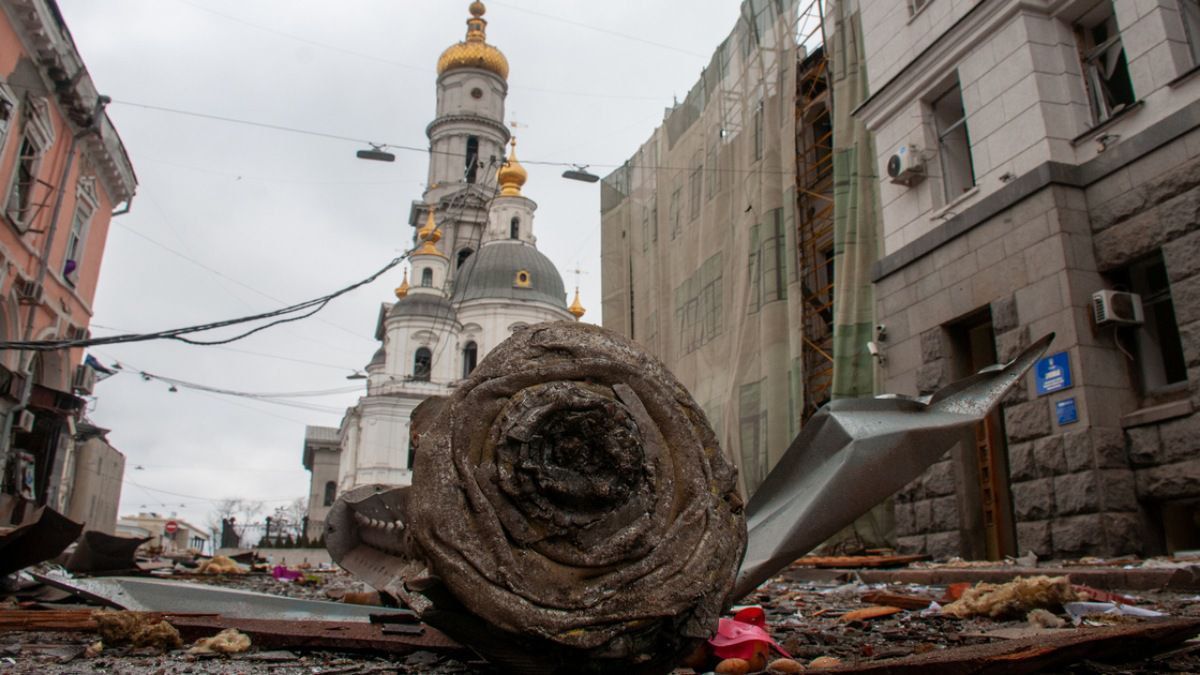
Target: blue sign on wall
[(1053, 373), (1067, 413)]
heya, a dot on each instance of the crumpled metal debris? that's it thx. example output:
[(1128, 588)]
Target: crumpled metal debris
[(572, 510), (40, 535), (853, 454), (101, 552)]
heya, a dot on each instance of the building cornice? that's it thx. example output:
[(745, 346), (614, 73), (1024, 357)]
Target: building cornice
[(929, 68), (39, 24), (479, 120)]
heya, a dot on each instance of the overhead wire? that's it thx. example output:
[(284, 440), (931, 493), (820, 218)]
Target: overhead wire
[(309, 307)]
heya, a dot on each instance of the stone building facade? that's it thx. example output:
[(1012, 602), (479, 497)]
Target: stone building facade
[(1059, 155)]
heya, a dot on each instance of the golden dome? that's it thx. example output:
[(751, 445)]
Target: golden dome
[(512, 175), (430, 234), (402, 291), (474, 52), (576, 309)]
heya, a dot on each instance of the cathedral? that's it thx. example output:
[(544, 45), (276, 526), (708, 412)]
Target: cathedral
[(477, 276)]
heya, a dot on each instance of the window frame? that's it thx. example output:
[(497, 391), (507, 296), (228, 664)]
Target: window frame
[(38, 132), (959, 167), (9, 106), (419, 374), (1189, 16), (86, 203), (1096, 86), (1153, 352)]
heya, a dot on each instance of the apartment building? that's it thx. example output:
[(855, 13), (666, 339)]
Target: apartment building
[(1032, 156)]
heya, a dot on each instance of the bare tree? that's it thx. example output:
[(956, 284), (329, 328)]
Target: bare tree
[(237, 511)]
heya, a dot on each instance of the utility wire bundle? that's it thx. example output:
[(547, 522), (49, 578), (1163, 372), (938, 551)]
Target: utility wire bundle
[(289, 314)]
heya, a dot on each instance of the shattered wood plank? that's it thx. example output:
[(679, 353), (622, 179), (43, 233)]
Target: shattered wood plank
[(857, 561), (59, 620), (1038, 653), (868, 613), (353, 636), (901, 600)]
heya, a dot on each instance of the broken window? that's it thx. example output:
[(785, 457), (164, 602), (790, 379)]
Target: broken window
[(21, 206), (1189, 11), (1105, 71), (954, 143), (422, 364), (1158, 357)]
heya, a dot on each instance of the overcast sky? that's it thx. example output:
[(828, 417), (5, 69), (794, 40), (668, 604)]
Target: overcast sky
[(232, 220)]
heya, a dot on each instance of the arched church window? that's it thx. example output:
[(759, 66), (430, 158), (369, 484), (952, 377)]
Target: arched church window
[(427, 277), (330, 493), (462, 257), (470, 358), (472, 165), (422, 364), (514, 228)]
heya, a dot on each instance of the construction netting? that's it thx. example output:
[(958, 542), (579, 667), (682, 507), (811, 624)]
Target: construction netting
[(700, 253)]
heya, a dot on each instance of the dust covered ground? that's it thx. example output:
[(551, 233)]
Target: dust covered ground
[(807, 617)]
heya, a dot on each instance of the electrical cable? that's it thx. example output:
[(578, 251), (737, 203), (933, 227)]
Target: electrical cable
[(311, 307)]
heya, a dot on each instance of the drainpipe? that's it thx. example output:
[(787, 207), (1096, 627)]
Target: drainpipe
[(26, 356)]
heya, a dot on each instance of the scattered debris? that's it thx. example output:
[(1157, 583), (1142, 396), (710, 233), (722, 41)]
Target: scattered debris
[(868, 613), (136, 629), (93, 650), (99, 552), (858, 561), (220, 565), (733, 667), (900, 600), (784, 667), (1041, 618), (1079, 610), (822, 662), (40, 534), (1014, 598), (228, 641)]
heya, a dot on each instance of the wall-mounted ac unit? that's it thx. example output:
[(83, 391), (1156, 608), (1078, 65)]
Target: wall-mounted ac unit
[(906, 166), (1117, 308), (85, 379), (29, 292)]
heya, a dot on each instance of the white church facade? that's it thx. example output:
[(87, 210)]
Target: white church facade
[(477, 276)]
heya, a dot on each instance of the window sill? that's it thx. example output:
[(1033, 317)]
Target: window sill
[(1156, 414), (1185, 76), (914, 15), (946, 212), (1095, 130)]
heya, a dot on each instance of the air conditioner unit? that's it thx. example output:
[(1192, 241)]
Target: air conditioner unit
[(1117, 307), (29, 292), (906, 166), (24, 421), (85, 379)]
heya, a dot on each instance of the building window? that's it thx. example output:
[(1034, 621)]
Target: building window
[(698, 306), (1105, 71), (514, 229), (470, 358), (915, 6), (695, 189), (472, 162), (752, 434), (330, 493), (1190, 12), (422, 364), (674, 215), (462, 257), (523, 279), (767, 262), (714, 175), (759, 140), (37, 136), (1159, 359), (85, 206), (427, 277), (954, 143), (8, 113)]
